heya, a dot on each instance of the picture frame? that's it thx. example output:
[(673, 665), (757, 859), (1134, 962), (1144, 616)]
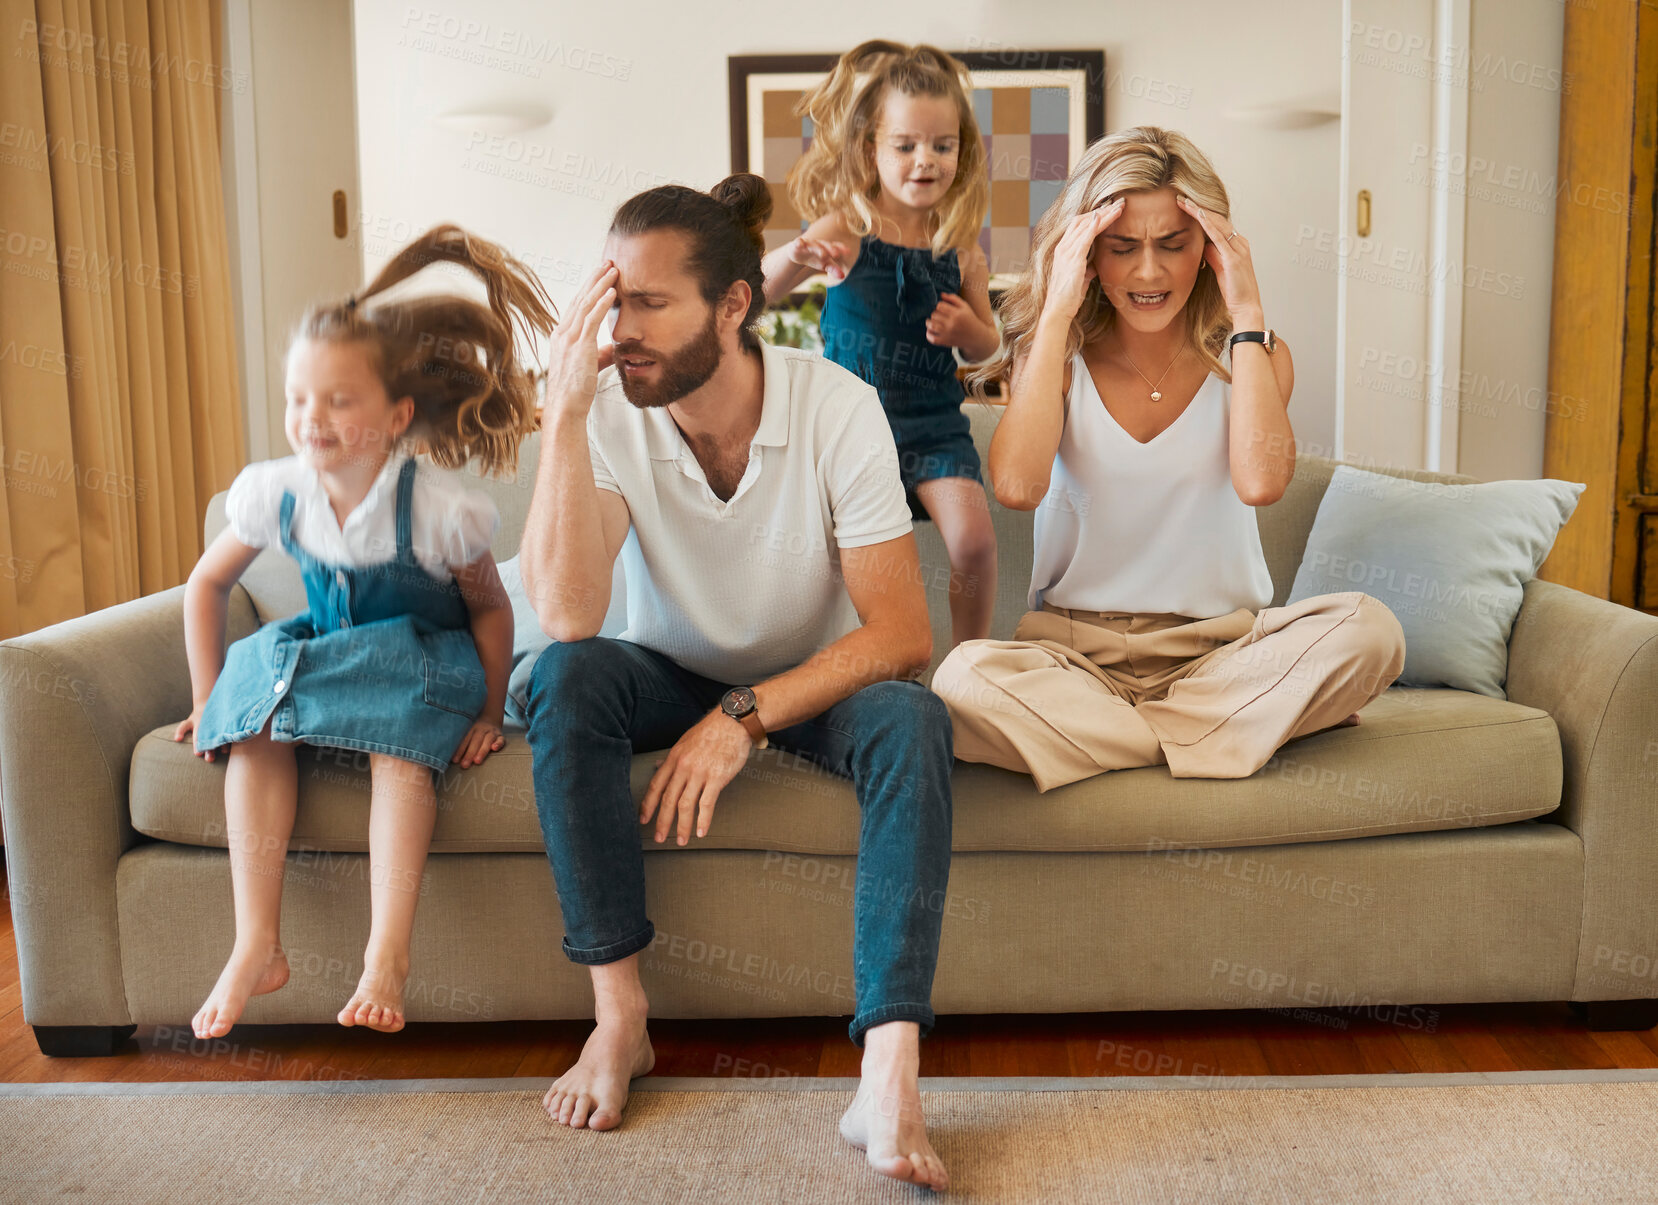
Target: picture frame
[(1038, 110)]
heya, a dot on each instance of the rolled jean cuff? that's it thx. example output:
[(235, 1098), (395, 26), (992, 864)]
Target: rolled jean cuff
[(615, 951), (865, 1021)]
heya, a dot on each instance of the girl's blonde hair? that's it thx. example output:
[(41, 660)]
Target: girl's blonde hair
[(837, 172), (457, 359), (1140, 159)]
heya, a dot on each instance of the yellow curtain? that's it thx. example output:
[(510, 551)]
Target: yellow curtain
[(120, 411)]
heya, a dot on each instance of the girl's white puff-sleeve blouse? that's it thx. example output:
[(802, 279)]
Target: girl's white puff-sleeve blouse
[(451, 524)]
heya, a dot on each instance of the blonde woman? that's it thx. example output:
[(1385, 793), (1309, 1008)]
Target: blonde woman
[(1146, 418)]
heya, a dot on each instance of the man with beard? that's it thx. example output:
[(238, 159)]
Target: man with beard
[(774, 596)]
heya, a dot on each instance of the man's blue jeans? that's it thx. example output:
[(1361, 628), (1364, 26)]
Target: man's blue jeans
[(594, 703)]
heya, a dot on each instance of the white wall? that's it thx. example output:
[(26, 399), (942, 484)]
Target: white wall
[(639, 98), (1510, 182)]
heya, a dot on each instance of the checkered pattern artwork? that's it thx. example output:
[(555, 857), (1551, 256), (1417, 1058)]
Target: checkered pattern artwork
[(1031, 137)]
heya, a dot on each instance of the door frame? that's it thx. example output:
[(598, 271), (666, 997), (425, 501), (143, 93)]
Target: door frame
[(1603, 343)]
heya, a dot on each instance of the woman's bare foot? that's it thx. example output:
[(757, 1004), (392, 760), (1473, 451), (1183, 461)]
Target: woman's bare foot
[(378, 1000), (250, 972), (594, 1091), (885, 1120)]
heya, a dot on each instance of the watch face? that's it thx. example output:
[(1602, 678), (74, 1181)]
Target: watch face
[(737, 702)]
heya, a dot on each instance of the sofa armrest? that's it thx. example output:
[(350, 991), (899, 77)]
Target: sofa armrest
[(75, 698), (1593, 666)]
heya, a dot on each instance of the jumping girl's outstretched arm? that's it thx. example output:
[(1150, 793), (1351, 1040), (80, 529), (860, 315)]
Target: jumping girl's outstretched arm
[(824, 246)]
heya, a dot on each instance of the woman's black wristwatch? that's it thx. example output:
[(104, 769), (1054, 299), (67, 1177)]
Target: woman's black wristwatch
[(1265, 338)]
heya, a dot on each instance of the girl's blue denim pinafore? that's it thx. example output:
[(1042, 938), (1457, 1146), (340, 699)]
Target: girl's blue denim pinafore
[(874, 323), (383, 661)]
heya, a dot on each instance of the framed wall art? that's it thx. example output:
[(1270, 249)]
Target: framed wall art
[(1037, 111)]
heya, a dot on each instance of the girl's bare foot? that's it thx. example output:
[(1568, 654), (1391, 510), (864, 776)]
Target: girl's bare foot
[(378, 1000), (594, 1091), (250, 972)]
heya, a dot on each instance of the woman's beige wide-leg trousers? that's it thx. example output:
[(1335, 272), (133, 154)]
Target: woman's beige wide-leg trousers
[(1075, 692)]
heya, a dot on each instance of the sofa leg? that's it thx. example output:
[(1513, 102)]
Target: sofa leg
[(81, 1041), (1617, 1014)]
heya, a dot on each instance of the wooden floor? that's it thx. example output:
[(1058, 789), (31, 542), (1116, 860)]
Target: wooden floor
[(1327, 1041)]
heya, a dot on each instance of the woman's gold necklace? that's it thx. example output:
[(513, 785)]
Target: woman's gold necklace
[(1156, 395)]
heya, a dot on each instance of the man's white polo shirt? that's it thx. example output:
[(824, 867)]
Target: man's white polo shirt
[(742, 590)]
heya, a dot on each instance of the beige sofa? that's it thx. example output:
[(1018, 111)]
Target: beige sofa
[(1452, 847)]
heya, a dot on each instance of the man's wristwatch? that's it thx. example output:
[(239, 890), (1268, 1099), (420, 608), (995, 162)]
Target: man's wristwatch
[(740, 705), (1265, 338)]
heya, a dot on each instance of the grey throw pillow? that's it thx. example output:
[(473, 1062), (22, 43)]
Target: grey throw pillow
[(1450, 561), (528, 639), (527, 642)]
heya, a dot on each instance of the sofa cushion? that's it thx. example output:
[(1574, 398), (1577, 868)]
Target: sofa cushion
[(1419, 760)]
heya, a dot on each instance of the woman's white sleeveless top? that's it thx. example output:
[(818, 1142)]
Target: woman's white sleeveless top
[(1146, 527)]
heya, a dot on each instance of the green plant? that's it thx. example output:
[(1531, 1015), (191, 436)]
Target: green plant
[(796, 326)]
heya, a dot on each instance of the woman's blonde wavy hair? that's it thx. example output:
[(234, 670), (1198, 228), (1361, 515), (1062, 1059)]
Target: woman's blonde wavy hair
[(473, 394), (837, 173), (1140, 159)]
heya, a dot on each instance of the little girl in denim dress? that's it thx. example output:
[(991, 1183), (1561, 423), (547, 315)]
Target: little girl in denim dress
[(404, 649), (896, 170)]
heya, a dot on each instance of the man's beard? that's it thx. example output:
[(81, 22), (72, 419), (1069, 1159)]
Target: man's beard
[(686, 370)]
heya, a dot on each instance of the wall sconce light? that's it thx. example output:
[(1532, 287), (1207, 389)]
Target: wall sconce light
[(512, 117), (1288, 115)]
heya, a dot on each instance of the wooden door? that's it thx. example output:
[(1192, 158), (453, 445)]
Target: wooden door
[(1603, 344)]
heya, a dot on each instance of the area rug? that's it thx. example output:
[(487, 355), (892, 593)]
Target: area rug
[(1531, 1136)]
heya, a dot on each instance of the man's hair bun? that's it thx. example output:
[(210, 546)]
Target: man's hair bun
[(749, 199)]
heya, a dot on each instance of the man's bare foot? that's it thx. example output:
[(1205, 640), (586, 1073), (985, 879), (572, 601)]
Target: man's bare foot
[(250, 972), (885, 1120), (594, 1091), (1349, 721), (378, 1000)]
